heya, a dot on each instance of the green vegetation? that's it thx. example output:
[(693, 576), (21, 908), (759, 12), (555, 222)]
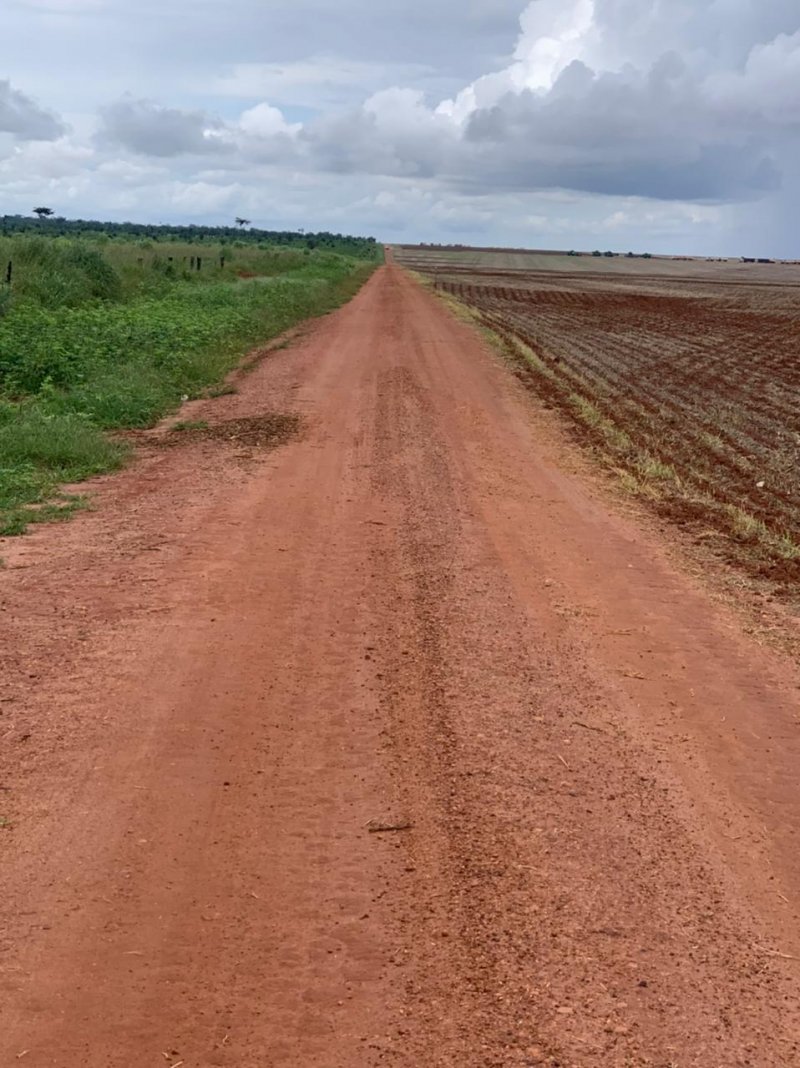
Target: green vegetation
[(49, 225), (190, 424), (98, 335)]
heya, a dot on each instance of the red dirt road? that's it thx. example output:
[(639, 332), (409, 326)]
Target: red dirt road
[(413, 614)]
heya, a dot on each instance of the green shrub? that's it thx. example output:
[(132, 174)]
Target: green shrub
[(103, 280)]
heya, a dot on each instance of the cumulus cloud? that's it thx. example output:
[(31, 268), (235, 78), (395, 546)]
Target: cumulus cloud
[(766, 87), (393, 133), (151, 129), (263, 133), (670, 128), (24, 118), (655, 133)]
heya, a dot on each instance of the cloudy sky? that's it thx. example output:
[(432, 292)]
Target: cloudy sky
[(669, 125)]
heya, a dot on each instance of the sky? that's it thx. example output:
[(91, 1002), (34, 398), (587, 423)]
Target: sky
[(643, 125)]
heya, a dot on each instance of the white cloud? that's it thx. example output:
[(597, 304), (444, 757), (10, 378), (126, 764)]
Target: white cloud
[(203, 197), (264, 120), (46, 159), (129, 172)]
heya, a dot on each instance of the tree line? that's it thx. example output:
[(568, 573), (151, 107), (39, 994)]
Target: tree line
[(47, 223)]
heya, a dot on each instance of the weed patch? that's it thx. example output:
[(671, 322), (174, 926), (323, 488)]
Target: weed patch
[(189, 424)]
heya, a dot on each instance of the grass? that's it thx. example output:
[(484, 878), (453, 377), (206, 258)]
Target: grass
[(68, 272), (91, 343), (39, 451), (190, 424)]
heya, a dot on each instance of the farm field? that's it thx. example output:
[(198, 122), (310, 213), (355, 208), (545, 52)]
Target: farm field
[(684, 375), (103, 332)]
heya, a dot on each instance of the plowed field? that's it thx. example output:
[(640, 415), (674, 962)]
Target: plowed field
[(684, 375)]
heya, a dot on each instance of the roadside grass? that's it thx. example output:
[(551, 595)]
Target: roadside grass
[(39, 451), (92, 356)]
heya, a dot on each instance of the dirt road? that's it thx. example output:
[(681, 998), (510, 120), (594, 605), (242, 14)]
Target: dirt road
[(220, 684)]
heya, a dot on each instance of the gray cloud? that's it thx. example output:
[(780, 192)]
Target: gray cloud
[(393, 134), (654, 134), (150, 129), (24, 119), (171, 51), (576, 109)]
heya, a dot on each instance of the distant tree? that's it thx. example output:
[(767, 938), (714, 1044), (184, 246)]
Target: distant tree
[(43, 213), (242, 222)]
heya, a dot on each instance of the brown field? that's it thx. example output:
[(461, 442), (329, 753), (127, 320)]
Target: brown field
[(684, 374)]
